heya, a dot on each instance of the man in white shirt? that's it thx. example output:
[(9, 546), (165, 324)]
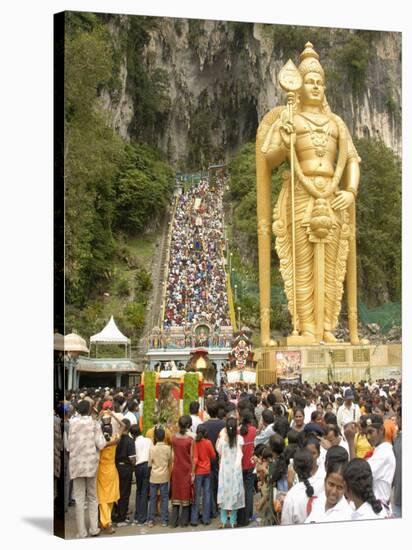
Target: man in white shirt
[(382, 462), (133, 412), (85, 441), (309, 409), (266, 429), (142, 473), (349, 411)]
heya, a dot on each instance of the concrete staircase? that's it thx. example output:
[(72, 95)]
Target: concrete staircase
[(159, 272)]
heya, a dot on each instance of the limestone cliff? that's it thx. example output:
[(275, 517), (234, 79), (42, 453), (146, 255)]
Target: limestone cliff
[(218, 84)]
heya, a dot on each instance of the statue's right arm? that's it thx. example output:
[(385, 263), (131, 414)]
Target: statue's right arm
[(270, 139), (274, 148)]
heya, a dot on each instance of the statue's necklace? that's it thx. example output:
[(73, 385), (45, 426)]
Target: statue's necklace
[(319, 133), (340, 165)]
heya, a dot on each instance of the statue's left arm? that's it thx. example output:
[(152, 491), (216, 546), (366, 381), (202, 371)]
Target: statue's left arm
[(350, 185), (350, 178)]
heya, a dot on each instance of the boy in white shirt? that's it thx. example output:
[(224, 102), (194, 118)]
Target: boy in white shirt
[(142, 473), (349, 411), (382, 462)]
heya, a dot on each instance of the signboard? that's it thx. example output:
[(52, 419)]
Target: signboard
[(235, 376), (288, 367)]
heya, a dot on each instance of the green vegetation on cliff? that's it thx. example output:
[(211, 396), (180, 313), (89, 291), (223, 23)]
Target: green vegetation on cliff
[(115, 192)]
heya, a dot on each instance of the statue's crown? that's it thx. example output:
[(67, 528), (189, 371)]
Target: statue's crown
[(309, 61)]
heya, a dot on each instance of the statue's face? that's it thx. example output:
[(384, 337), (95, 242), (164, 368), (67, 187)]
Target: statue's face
[(313, 89)]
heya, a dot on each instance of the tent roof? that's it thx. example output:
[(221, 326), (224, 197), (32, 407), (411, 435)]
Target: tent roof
[(58, 341), (74, 342), (110, 335)]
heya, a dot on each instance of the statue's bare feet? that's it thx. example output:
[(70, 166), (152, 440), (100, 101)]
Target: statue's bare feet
[(329, 338)]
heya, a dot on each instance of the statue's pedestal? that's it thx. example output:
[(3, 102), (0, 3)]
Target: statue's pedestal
[(340, 361)]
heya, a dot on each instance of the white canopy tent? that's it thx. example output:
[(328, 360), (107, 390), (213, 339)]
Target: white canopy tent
[(58, 342), (75, 344), (111, 335)]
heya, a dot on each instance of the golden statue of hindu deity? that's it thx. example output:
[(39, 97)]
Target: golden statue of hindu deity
[(314, 218)]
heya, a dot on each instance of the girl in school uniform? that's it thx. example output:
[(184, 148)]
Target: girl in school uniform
[(359, 490), (298, 502), (331, 504), (318, 472)]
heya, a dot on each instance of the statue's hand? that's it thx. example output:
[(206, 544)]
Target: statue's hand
[(343, 200), (287, 129)]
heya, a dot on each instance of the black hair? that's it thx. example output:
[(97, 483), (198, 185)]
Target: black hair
[(312, 440), (254, 400), (315, 415), (268, 417), (276, 443), (135, 431), (126, 423), (336, 454), (246, 420), (278, 410), (368, 407), (159, 435), (117, 403), (303, 465), (300, 403), (212, 408), (335, 468), (184, 424), (280, 467), (362, 421), (375, 420), (281, 426), (330, 418), (359, 480), (271, 399), (132, 405), (194, 407), (231, 429), (293, 437), (201, 433), (245, 404), (290, 451), (83, 407), (299, 409), (266, 453), (229, 407), (332, 428), (259, 449)]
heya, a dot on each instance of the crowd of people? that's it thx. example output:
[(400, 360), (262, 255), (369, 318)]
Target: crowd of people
[(196, 283), (258, 456)]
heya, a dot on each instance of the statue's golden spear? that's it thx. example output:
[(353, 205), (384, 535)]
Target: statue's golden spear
[(291, 81)]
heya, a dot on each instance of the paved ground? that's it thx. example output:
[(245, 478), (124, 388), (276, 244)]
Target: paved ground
[(136, 530)]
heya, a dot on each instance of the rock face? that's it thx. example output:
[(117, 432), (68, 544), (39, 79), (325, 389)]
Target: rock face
[(219, 83)]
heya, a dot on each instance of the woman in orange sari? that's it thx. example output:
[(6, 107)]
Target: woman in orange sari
[(107, 476)]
